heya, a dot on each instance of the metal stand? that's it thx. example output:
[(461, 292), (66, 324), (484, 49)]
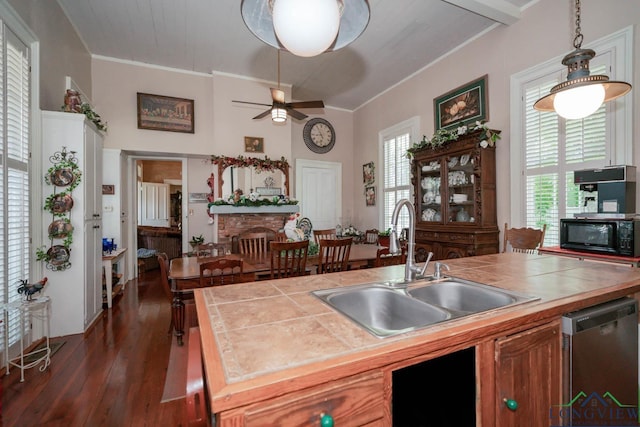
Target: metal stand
[(36, 309)]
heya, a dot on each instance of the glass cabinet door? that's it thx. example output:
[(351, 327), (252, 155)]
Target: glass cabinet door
[(460, 186), (430, 191)]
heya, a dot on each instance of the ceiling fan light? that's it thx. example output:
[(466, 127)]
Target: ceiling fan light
[(278, 115), (579, 102), (306, 28)]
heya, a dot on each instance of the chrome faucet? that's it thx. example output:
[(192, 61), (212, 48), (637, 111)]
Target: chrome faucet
[(411, 269)]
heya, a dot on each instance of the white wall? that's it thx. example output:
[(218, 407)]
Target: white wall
[(544, 32)]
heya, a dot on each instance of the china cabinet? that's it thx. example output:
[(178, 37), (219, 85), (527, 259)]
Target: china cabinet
[(455, 199)]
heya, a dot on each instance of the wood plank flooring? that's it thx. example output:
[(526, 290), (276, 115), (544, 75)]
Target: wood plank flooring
[(112, 377)]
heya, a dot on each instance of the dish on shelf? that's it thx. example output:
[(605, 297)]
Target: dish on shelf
[(459, 198), (464, 159), (58, 255), (428, 214), (457, 178), (62, 177), (60, 228), (61, 203), (453, 161)]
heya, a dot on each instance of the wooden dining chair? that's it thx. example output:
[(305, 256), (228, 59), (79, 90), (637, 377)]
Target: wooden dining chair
[(334, 255), (385, 258), (289, 259), (222, 271), (253, 243), (329, 233), (371, 237), (523, 240), (280, 237)]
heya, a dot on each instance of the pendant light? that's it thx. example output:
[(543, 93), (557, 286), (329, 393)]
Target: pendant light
[(306, 28), (582, 94)]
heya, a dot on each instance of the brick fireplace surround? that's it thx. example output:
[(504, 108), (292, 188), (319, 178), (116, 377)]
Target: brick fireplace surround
[(230, 225)]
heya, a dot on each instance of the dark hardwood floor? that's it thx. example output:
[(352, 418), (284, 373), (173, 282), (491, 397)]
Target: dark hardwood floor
[(112, 377)]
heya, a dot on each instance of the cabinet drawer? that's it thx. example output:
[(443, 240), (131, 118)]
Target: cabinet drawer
[(353, 401)]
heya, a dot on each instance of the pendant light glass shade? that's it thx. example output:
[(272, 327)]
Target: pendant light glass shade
[(579, 102), (306, 28), (278, 115), (260, 18), (582, 94)]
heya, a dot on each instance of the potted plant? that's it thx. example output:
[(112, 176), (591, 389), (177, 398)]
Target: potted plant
[(195, 241), (384, 237)]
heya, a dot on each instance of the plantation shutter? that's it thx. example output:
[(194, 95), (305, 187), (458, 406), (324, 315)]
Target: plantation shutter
[(396, 180), (14, 180), (554, 148)]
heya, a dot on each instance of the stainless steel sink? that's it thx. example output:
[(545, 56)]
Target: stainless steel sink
[(381, 310), (385, 310), (464, 297)]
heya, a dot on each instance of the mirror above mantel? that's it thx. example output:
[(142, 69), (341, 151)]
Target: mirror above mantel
[(264, 176)]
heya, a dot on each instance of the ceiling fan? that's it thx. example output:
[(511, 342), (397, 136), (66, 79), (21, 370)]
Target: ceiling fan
[(279, 108)]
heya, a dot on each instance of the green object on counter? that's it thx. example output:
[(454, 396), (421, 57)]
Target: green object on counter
[(326, 420)]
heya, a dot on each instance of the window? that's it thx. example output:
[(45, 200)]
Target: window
[(396, 170), (552, 148), (15, 249)]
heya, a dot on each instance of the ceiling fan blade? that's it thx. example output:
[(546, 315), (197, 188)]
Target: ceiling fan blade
[(263, 114), (252, 103), (306, 104), (296, 114), (277, 95)]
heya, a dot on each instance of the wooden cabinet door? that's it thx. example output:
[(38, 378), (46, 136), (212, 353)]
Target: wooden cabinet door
[(528, 371)]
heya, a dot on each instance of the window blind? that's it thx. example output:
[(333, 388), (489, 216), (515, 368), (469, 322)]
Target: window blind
[(396, 180), (14, 180), (554, 148)]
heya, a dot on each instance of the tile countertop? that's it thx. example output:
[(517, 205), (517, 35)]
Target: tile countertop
[(260, 339)]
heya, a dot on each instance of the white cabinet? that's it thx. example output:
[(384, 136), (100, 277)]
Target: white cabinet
[(76, 293)]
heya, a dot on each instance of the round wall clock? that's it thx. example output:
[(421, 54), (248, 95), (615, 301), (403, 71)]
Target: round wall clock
[(319, 135)]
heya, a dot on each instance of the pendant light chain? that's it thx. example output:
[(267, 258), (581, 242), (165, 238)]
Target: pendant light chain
[(577, 41)]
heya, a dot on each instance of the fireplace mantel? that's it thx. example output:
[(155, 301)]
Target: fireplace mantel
[(233, 210)]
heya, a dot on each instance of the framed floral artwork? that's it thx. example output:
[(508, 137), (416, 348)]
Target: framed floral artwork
[(370, 195), (253, 144), (157, 112), (368, 173), (465, 104)]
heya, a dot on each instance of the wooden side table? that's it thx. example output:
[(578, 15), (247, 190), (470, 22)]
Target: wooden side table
[(28, 312), (107, 263)]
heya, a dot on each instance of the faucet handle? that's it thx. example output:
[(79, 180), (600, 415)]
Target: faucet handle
[(437, 273), (426, 263)]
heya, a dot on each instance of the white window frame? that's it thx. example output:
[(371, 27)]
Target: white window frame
[(12, 20), (410, 126), (619, 113)]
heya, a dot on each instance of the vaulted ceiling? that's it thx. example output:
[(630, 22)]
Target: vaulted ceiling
[(403, 37)]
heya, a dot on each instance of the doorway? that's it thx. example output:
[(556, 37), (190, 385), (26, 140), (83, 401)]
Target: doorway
[(158, 204), (319, 192)]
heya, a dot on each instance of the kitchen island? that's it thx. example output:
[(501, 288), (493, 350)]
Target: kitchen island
[(276, 355)]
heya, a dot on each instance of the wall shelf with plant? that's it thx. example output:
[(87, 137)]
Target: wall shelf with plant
[(64, 176)]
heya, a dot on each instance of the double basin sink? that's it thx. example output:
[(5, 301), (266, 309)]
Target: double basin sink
[(385, 310)]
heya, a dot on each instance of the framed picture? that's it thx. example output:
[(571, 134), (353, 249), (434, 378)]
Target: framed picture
[(368, 173), (157, 112), (253, 144), (370, 195), (108, 189), (463, 105), (197, 197)]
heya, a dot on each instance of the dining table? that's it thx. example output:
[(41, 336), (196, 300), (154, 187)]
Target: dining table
[(184, 274)]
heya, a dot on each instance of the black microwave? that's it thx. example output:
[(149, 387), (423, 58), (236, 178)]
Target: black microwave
[(605, 236)]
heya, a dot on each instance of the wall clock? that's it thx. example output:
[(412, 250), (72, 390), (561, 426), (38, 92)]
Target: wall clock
[(319, 135)]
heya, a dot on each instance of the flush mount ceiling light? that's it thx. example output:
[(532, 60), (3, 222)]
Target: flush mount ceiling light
[(582, 94), (306, 28)]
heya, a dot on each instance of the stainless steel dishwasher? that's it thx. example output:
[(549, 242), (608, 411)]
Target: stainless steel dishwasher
[(600, 358)]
